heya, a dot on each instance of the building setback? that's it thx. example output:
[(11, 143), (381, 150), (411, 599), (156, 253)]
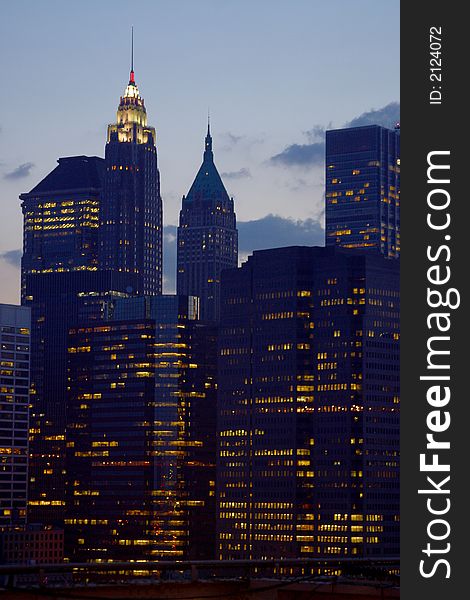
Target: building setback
[(363, 189), (308, 427), (131, 210), (15, 323), (207, 237), (141, 434)]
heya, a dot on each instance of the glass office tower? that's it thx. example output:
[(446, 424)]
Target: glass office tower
[(363, 189), (308, 421)]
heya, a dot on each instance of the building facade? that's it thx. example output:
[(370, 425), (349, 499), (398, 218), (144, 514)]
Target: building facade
[(32, 545), (61, 283), (141, 434), (15, 324), (363, 189), (131, 210), (308, 426), (61, 218), (57, 301), (207, 237)]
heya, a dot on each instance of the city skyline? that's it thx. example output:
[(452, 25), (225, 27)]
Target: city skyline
[(254, 414), (261, 151)]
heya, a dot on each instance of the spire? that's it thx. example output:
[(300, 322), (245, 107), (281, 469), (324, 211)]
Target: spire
[(131, 118), (131, 93), (208, 154), (207, 186), (131, 77)]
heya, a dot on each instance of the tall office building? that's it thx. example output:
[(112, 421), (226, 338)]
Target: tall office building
[(131, 208), (363, 189), (308, 392), (61, 218), (207, 237), (61, 284), (14, 407), (141, 433)]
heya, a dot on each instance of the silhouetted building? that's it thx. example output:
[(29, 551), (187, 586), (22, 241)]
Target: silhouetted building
[(57, 301), (363, 189), (308, 393), (61, 218), (32, 544), (141, 433), (15, 322), (131, 209), (207, 237), (199, 470), (61, 284)]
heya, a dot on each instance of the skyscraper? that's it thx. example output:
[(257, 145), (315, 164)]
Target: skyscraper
[(61, 218), (131, 208), (14, 408), (264, 403), (363, 189), (141, 433), (207, 237), (61, 283), (308, 393)]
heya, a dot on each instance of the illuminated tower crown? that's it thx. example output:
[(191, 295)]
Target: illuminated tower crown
[(131, 116)]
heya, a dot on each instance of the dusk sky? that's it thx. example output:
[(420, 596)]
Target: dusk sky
[(274, 75)]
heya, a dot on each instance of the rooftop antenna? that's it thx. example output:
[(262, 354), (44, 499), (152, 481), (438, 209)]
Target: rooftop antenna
[(132, 54)]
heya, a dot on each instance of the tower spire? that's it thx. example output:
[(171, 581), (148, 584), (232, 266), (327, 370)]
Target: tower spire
[(208, 155), (131, 78)]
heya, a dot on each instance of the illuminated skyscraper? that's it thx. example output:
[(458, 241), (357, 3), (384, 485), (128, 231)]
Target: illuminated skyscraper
[(207, 237), (141, 433), (62, 283), (308, 393), (363, 189), (131, 208), (61, 218), (14, 408), (92, 232)]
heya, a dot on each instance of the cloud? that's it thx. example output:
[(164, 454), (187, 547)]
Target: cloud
[(20, 172), (274, 231), (12, 257), (271, 231), (169, 259), (240, 174), (169, 234), (230, 141), (388, 116), (300, 155), (313, 153), (298, 184), (317, 133)]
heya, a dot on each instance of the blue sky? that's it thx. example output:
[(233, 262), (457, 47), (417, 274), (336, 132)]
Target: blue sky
[(274, 74)]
